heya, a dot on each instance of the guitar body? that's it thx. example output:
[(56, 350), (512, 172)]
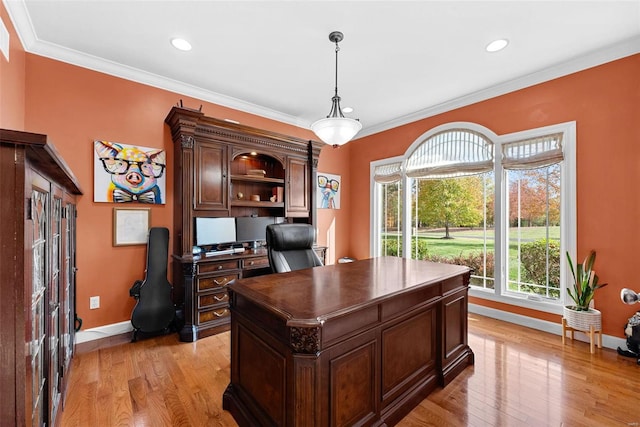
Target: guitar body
[(154, 310)]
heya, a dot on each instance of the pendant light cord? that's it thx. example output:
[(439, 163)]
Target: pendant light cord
[(337, 50)]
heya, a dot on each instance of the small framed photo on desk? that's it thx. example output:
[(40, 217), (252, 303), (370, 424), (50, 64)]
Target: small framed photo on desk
[(131, 226)]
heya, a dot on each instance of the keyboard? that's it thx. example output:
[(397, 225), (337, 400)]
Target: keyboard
[(225, 252)]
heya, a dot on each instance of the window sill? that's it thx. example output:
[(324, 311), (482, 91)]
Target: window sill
[(519, 301)]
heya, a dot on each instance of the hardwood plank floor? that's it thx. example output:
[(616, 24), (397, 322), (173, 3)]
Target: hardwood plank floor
[(521, 377)]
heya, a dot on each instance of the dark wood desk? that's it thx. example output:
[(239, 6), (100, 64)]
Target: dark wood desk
[(200, 287), (358, 343)]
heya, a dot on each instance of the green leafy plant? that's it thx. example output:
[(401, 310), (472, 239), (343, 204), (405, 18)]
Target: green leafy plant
[(585, 282)]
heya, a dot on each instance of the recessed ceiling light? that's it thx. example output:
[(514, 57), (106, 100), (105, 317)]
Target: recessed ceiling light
[(347, 110), (181, 44), (497, 45)]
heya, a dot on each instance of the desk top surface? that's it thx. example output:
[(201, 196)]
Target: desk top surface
[(322, 292)]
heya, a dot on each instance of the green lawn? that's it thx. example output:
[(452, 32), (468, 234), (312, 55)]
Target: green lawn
[(466, 241), (470, 240)]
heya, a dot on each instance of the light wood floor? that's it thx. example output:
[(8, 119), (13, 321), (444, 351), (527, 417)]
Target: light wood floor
[(521, 377)]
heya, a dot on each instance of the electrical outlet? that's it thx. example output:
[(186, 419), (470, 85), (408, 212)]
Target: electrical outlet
[(94, 302)]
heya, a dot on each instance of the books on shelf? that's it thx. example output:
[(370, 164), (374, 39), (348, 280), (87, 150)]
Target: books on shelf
[(257, 172), (279, 193)]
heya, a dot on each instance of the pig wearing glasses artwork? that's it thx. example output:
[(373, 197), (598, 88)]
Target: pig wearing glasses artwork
[(133, 173)]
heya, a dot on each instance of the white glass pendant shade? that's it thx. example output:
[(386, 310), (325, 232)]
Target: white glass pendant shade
[(336, 130)]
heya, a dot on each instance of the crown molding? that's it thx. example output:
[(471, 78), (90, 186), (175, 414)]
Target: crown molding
[(22, 22), (26, 33), (598, 57)]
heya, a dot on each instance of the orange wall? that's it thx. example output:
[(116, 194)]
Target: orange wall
[(75, 106), (333, 224), (12, 79), (605, 103)]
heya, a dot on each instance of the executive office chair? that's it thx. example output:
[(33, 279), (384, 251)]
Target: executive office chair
[(290, 247), (154, 310)]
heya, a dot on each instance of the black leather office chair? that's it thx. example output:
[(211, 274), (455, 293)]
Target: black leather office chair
[(290, 247)]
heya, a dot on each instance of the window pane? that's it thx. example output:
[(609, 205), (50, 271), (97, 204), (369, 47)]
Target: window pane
[(534, 231), (390, 226), (452, 221)]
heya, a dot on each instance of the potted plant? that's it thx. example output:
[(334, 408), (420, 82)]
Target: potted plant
[(582, 316)]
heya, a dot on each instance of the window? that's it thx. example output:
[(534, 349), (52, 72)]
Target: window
[(502, 205), (533, 169), (388, 218)]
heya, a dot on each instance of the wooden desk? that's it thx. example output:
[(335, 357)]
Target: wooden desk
[(357, 343), (200, 287)]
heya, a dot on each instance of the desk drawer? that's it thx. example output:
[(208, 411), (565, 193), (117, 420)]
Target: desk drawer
[(211, 300), (205, 316), (260, 262), (218, 266), (205, 283)]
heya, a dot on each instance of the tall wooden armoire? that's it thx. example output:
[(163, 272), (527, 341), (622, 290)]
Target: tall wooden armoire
[(37, 278)]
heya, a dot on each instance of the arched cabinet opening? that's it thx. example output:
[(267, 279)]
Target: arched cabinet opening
[(257, 184)]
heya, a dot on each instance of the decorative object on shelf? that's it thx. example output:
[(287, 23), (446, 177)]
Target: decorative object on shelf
[(240, 195), (336, 129), (255, 197), (125, 173), (257, 172), (328, 191), (273, 199), (278, 192), (582, 316)]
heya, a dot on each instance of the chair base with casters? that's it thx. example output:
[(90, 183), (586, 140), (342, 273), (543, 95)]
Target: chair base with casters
[(290, 247), (154, 312)]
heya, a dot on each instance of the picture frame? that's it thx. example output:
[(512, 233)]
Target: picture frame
[(131, 226), (328, 191)]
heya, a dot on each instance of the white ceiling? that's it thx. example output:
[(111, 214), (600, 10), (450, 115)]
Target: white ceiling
[(399, 61)]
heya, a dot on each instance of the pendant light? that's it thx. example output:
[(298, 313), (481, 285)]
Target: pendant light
[(336, 129)]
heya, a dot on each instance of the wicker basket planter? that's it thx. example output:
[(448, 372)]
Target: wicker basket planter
[(583, 320)]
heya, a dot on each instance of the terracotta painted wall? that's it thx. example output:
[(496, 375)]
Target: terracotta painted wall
[(333, 224), (75, 106), (605, 103), (12, 81)]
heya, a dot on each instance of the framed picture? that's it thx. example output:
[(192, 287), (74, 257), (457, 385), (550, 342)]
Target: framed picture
[(328, 192), (128, 173), (131, 226)]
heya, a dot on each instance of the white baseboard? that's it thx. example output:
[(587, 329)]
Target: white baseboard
[(608, 341), (103, 332)]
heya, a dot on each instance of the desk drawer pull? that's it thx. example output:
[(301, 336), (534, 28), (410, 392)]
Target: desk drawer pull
[(222, 282), (224, 297), (220, 267), (222, 314)]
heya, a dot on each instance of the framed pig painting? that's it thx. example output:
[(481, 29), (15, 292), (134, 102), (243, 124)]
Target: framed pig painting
[(128, 173)]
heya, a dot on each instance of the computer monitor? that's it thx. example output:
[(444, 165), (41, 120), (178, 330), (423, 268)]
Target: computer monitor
[(215, 231), (253, 229)]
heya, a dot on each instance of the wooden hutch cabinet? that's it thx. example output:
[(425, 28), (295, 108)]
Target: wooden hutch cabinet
[(222, 169), (37, 278)]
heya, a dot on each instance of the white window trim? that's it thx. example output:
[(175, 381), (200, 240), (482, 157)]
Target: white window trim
[(375, 201), (568, 238)]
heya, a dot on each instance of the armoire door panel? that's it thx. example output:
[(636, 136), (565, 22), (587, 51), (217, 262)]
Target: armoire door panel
[(297, 190), (211, 186)]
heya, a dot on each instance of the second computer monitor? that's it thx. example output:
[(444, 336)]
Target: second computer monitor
[(253, 229)]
